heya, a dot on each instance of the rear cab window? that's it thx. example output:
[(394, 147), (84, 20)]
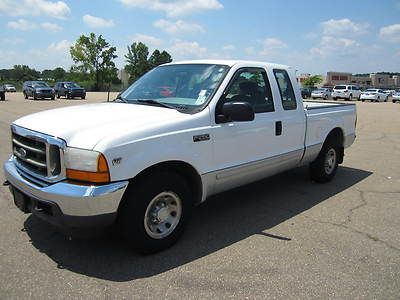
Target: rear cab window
[(285, 89)]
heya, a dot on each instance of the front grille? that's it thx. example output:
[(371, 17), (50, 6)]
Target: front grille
[(44, 91), (37, 154), (30, 153)]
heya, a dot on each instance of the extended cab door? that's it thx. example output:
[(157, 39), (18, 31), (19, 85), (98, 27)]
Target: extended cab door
[(247, 151)]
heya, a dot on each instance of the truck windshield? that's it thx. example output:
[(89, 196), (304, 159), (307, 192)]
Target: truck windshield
[(178, 86)]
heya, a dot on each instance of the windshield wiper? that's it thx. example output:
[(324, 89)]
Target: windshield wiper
[(152, 101), (120, 99)]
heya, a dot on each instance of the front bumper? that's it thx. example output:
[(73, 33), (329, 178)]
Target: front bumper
[(66, 204)]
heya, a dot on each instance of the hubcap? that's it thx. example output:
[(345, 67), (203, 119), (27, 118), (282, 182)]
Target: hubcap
[(162, 215), (330, 161)]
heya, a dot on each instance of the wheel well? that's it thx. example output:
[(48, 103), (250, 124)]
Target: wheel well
[(336, 135), (187, 171)]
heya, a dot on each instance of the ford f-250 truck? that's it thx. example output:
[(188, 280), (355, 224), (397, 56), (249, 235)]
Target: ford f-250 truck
[(182, 132)]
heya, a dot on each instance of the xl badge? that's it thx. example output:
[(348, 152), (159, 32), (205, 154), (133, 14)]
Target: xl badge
[(116, 161)]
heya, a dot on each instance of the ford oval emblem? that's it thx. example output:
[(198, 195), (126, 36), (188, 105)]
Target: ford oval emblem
[(22, 152)]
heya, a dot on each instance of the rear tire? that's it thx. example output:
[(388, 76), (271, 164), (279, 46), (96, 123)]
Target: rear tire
[(154, 211), (324, 167)]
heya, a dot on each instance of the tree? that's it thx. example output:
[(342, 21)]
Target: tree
[(23, 73), (312, 80), (158, 58), (95, 56), (59, 74), (138, 61)]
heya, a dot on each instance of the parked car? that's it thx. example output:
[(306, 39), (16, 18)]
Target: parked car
[(10, 88), (322, 93), (376, 95), (396, 97), (144, 161), (389, 92), (2, 92), (346, 92), (69, 90), (306, 92), (37, 89)]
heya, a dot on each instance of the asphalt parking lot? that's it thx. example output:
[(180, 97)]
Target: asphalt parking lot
[(283, 237)]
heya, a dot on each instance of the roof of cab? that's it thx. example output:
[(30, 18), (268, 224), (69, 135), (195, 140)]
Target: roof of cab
[(229, 63)]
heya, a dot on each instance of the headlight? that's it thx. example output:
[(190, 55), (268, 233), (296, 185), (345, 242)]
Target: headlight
[(86, 165)]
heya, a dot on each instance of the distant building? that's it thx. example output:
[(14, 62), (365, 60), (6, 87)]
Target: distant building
[(373, 80), (302, 77)]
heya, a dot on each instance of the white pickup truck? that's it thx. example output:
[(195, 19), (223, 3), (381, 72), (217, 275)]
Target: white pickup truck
[(182, 132)]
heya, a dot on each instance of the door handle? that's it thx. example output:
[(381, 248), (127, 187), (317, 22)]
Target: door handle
[(278, 128)]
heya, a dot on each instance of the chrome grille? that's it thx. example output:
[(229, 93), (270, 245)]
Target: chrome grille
[(37, 154)]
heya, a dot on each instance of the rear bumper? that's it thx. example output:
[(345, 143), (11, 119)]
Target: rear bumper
[(65, 204)]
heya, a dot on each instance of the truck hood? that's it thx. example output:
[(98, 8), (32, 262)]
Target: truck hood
[(84, 126)]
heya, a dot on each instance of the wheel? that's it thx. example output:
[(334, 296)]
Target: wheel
[(323, 169), (3, 97), (326, 97), (58, 96), (52, 98), (67, 96), (394, 101), (83, 97), (386, 99), (25, 96), (334, 98), (378, 99), (154, 211), (350, 97), (34, 96), (362, 100)]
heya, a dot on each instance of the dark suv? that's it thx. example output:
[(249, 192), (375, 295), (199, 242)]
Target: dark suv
[(37, 89), (69, 89)]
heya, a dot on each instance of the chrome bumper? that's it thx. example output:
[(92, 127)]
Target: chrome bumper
[(71, 199)]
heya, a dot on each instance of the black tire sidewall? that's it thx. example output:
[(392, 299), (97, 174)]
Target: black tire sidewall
[(317, 167), (135, 202)]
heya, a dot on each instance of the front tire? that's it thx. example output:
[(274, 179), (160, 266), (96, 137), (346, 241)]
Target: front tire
[(154, 211), (25, 96), (324, 168), (34, 96)]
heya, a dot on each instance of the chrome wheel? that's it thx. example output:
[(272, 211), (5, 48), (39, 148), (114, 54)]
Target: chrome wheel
[(330, 161), (162, 215)]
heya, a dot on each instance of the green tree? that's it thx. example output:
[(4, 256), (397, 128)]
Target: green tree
[(158, 58), (23, 73), (59, 74), (94, 55), (312, 80), (139, 62)]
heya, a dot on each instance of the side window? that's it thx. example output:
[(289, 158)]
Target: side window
[(252, 86), (285, 89)]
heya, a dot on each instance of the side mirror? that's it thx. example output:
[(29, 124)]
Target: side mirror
[(236, 111)]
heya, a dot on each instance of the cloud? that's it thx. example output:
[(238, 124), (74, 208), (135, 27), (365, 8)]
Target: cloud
[(390, 33), (178, 27), (96, 22), (13, 41), (148, 40), (185, 49), (58, 9), (271, 45), (228, 48), (50, 26), (333, 46), (175, 8), (62, 46), (344, 27), (21, 24)]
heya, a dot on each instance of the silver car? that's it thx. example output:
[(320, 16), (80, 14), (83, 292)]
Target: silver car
[(322, 93)]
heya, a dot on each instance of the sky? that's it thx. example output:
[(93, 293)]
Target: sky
[(359, 36)]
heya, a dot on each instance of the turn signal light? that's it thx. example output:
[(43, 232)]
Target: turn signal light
[(102, 175)]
